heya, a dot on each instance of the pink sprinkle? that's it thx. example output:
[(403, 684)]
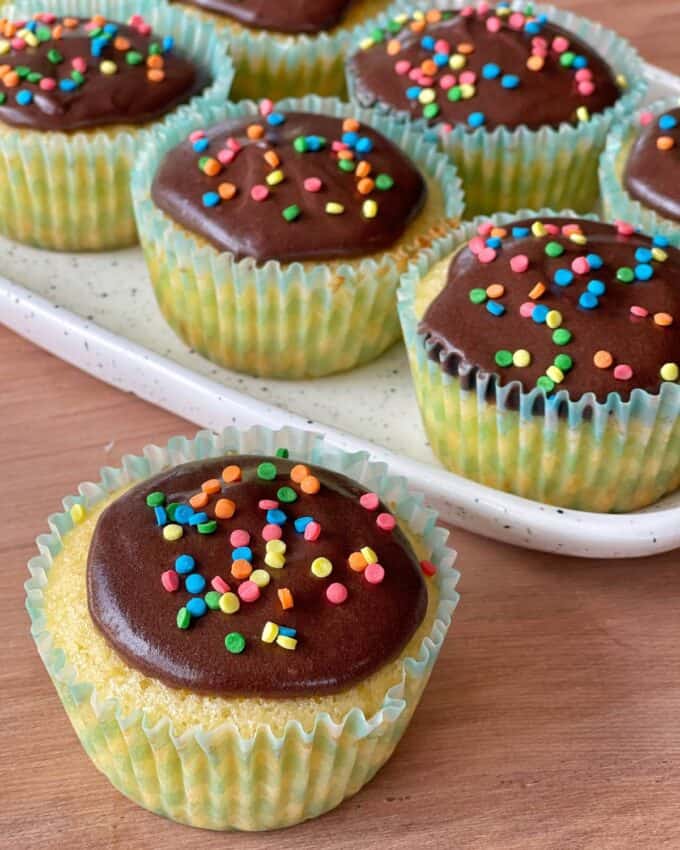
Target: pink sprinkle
[(623, 228), (403, 66), (144, 28), (267, 504), (623, 372), (233, 145), (259, 193), (369, 501), (586, 88), (488, 255), (220, 585), (516, 21), (483, 8), (196, 135), (552, 229), (374, 573), (583, 75), (539, 51), (385, 522), (485, 228), (428, 568), (560, 44), (249, 591), (568, 229), (266, 106), (312, 531), (519, 263), (641, 312), (476, 244), (493, 24), (170, 581), (18, 43), (527, 309), (448, 81), (468, 77), (272, 532), (467, 11), (539, 41), (425, 81), (79, 64), (239, 537), (442, 46), (414, 74), (312, 184), (646, 118), (225, 156), (47, 18), (336, 593), (580, 266), (48, 84)]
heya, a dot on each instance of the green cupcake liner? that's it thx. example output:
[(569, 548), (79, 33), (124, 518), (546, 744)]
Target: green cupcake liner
[(216, 778), (616, 201), (508, 169), (610, 456), (285, 321), (71, 191)]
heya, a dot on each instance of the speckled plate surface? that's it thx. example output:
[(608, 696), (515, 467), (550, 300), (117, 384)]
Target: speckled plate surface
[(97, 311)]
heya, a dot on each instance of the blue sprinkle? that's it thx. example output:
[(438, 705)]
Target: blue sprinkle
[(563, 277), (542, 19), (495, 308), (97, 45), (579, 63), (660, 241), (595, 261), (490, 71), (24, 97), (644, 271), (197, 519), (168, 43), (520, 232), (532, 28), (364, 145), (201, 145), (476, 119), (427, 42), (184, 564), (211, 199), (276, 517), (441, 59), (540, 313), (183, 514), (510, 81), (196, 607), (68, 85), (588, 301), (413, 92), (668, 122), (288, 632), (596, 287), (161, 515), (195, 583), (314, 143), (242, 553), (275, 119), (111, 29), (494, 242), (350, 138), (31, 26), (302, 522), (643, 255)]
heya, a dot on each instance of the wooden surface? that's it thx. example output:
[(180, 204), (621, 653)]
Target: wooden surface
[(552, 721)]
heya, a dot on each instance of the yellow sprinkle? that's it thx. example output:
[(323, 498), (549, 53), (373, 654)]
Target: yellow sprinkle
[(670, 372), (621, 81), (260, 577), (4, 47), (29, 37), (555, 374), (582, 113), (229, 603), (457, 61), (172, 532), (521, 358), (275, 177), (366, 43), (270, 632), (578, 238), (333, 208), (369, 209), (321, 567), (286, 642), (427, 96), (401, 19), (107, 67), (275, 560), (78, 514), (659, 255), (537, 229), (467, 90), (369, 555), (553, 319), (278, 547)]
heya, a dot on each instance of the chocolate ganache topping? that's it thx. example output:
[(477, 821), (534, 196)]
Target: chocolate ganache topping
[(285, 16), (253, 576), (483, 66), (563, 304), (290, 186), (652, 174), (64, 74)]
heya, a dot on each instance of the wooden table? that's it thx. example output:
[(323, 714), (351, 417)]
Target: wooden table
[(552, 721)]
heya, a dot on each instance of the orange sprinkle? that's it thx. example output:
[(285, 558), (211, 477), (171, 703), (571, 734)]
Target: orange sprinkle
[(310, 485), (433, 16), (350, 125), (199, 500), (255, 131), (417, 26), (98, 20), (665, 143), (346, 154), (285, 598), (212, 167), (121, 43), (499, 232), (357, 562), (365, 186), (57, 32), (11, 79), (4, 69), (466, 48), (428, 67), (393, 47), (496, 290), (226, 191), (298, 473), (241, 569), (537, 291), (225, 509), (663, 319), (155, 61), (155, 75), (70, 23), (230, 474), (603, 359), (535, 63), (363, 169), (211, 486), (272, 159)]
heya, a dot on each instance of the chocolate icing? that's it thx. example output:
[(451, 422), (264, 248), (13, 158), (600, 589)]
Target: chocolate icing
[(338, 644), (248, 228), (286, 16), (652, 176), (126, 97), (464, 337), (543, 98)]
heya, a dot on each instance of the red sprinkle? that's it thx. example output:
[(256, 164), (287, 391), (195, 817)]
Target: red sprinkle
[(170, 581), (428, 568)]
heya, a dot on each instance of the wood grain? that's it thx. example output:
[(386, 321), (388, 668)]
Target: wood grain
[(552, 721)]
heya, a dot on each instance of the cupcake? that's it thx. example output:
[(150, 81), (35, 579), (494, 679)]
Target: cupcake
[(238, 638), (640, 170), (545, 356), (287, 49), (275, 237), (80, 87), (520, 100)]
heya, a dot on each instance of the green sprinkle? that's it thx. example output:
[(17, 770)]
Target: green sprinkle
[(22, 71), (54, 56), (235, 642), (625, 274), (3, 97), (394, 26), (377, 35), (155, 49), (287, 494), (431, 111), (554, 249), (384, 182), (292, 212), (478, 296), (155, 499), (545, 383), (567, 59), (43, 34), (183, 619), (77, 77), (561, 336), (563, 362), (133, 57), (267, 471), (212, 600), (95, 32), (171, 508), (300, 144), (346, 165), (34, 77), (503, 358), (209, 527), (455, 93), (282, 453)]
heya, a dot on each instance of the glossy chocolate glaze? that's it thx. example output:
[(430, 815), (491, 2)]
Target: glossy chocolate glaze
[(464, 337), (285, 16), (542, 98), (248, 228), (339, 645), (124, 97), (652, 176)]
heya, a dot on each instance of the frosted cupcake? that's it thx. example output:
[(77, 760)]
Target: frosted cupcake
[(275, 237), (520, 99), (229, 633), (640, 170), (78, 92), (546, 359), (288, 49)]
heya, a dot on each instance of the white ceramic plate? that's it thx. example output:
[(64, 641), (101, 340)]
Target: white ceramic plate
[(97, 312)]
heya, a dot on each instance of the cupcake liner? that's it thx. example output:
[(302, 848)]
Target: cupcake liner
[(583, 454), (297, 320), (218, 779), (616, 201), (507, 169), (70, 191)]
